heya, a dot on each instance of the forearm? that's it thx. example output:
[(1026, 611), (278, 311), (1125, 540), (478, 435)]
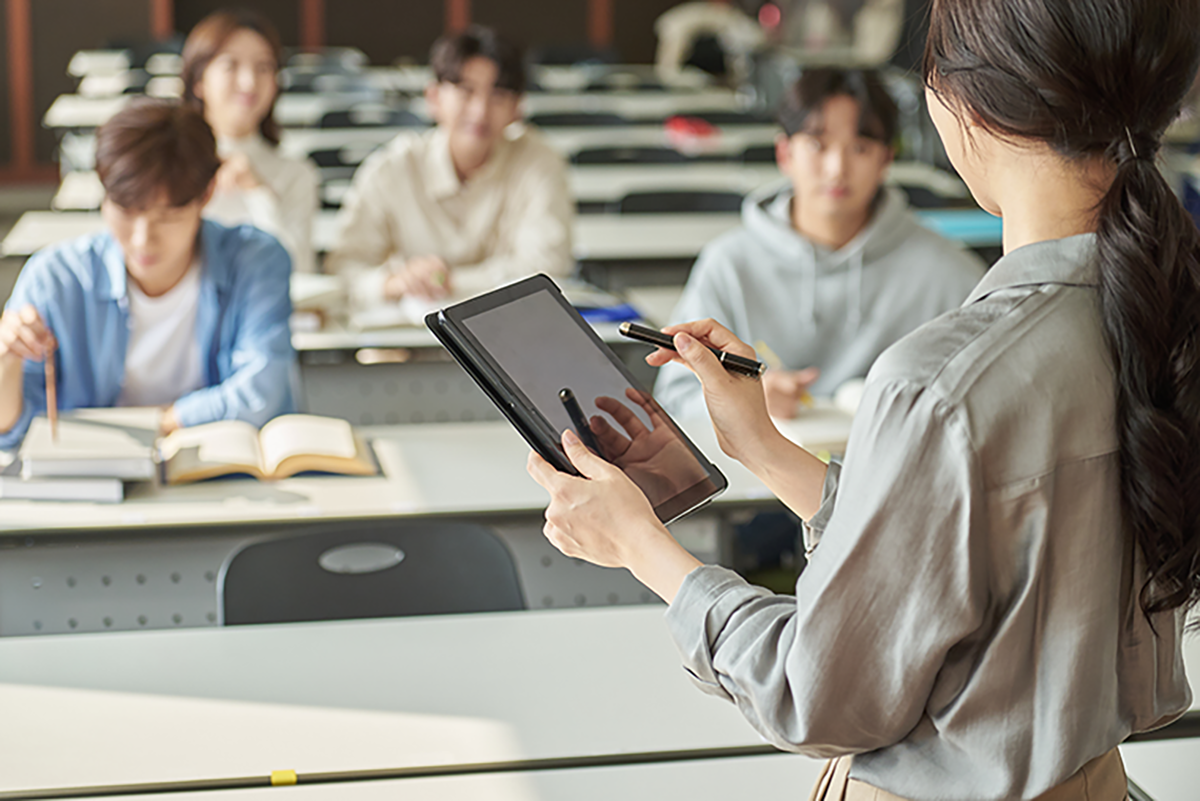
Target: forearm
[(793, 474), (659, 562), (12, 392)]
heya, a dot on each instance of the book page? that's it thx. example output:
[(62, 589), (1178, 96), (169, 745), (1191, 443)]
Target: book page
[(305, 434), (226, 442)]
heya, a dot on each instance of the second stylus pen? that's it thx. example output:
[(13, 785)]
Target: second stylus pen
[(731, 362)]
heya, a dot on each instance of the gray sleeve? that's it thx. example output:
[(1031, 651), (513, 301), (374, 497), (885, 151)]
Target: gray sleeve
[(677, 388), (848, 664)]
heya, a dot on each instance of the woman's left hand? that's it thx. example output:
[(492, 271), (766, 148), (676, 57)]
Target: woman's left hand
[(236, 173), (602, 517)]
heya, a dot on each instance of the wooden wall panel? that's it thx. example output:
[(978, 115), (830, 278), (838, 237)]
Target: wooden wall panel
[(536, 23), (633, 28), (285, 14), (386, 29), (5, 119), (62, 27)]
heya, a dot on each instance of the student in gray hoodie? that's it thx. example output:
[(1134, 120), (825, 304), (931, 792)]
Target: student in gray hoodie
[(830, 270)]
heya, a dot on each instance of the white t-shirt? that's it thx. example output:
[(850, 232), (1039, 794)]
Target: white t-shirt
[(162, 361)]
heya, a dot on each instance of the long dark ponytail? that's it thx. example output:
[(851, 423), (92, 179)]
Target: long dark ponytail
[(1102, 79)]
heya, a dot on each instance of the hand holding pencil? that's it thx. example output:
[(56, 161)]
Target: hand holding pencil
[(24, 336)]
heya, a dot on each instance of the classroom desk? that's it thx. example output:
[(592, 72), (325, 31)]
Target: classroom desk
[(402, 375), (186, 706), (152, 561), (425, 470), (77, 150), (305, 109), (37, 229), (176, 707), (292, 109), (597, 237), (765, 777)]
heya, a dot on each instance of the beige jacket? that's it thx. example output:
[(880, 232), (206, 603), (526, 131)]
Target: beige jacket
[(510, 220), (285, 206)]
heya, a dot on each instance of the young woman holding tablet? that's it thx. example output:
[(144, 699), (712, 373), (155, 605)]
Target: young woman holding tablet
[(999, 570), (231, 62)]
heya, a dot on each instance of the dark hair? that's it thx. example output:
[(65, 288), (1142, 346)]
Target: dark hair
[(205, 42), (1103, 79), (800, 110), (152, 146), (452, 51)]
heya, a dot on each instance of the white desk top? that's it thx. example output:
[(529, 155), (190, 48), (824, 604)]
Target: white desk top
[(441, 469), (302, 109), (122, 708), (748, 777), (605, 237), (337, 336), (730, 142), (294, 109), (612, 237), (185, 705), (37, 229)]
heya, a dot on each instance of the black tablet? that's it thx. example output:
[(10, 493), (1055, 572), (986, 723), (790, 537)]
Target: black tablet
[(547, 370)]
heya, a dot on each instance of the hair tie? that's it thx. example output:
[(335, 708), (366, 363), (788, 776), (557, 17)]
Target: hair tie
[(1132, 147)]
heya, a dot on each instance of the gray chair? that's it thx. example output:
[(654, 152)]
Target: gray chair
[(679, 202), (371, 568)]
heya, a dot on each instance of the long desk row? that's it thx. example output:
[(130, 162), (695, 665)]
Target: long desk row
[(301, 110), (360, 699), (730, 142), (600, 184), (348, 702), (602, 237), (154, 560)]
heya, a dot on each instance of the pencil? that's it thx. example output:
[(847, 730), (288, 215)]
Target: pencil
[(52, 396)]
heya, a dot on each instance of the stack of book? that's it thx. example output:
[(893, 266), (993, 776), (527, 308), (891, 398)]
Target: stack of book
[(90, 458)]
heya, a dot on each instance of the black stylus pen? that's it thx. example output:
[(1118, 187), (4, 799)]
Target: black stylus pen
[(733, 363)]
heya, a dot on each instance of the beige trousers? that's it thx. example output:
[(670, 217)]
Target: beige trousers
[(1102, 779)]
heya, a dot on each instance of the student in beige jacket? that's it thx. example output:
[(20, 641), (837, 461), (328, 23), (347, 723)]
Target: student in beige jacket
[(471, 204)]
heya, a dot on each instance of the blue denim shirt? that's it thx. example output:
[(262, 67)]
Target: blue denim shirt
[(79, 289)]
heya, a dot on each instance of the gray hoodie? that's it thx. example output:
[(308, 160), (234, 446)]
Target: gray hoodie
[(836, 310)]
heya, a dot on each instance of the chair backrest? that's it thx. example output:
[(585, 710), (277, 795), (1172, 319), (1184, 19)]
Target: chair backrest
[(372, 568), (574, 119), (759, 154), (372, 116), (679, 202), (729, 117), (629, 155)]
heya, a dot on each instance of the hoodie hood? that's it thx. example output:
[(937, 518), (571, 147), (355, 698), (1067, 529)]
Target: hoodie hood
[(767, 215)]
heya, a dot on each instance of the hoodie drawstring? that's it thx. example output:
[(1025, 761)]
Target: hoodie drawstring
[(854, 292)]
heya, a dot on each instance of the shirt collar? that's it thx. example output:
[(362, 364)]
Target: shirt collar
[(1070, 261), (114, 260), (440, 176), (252, 145)]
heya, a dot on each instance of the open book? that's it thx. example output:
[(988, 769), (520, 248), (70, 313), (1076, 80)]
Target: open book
[(293, 443)]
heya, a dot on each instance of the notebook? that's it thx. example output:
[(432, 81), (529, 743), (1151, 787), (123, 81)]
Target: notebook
[(93, 443)]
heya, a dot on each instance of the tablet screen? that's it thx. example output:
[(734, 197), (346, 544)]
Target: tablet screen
[(573, 383)]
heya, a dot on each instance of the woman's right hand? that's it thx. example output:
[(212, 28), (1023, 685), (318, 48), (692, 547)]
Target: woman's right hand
[(736, 403), (23, 335)]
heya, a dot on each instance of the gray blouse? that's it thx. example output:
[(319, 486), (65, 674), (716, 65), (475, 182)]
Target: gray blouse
[(968, 625)]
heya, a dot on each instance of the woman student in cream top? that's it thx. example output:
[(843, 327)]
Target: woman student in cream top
[(1000, 567), (231, 60)]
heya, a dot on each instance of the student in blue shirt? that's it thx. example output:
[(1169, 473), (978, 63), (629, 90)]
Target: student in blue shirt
[(162, 308)]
